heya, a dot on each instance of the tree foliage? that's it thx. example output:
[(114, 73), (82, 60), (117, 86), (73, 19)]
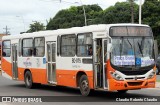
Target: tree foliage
[(119, 13), (36, 26), (74, 16)]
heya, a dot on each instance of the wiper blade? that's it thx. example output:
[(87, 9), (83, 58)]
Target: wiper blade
[(140, 49), (121, 46)]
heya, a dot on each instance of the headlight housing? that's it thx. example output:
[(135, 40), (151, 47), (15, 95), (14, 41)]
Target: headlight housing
[(116, 76), (151, 75)]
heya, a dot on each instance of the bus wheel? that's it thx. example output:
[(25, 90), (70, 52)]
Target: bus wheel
[(84, 85), (28, 80), (122, 91)]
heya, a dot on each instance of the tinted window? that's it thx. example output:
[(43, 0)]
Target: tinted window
[(68, 45), (39, 44), (6, 49), (84, 46), (27, 47)]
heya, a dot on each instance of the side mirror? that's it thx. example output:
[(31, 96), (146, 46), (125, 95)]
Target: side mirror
[(109, 47)]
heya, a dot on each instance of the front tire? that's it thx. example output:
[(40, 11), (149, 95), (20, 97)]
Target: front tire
[(28, 80), (84, 85)]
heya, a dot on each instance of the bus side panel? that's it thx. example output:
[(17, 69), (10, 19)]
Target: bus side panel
[(68, 78), (6, 66), (21, 74), (38, 75)]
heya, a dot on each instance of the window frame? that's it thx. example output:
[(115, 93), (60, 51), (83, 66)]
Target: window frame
[(58, 45), (26, 47), (72, 45), (6, 48), (85, 45), (20, 47), (38, 46)]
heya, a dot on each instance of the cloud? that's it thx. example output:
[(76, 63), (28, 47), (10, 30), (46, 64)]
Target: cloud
[(37, 10)]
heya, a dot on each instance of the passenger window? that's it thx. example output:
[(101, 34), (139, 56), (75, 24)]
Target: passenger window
[(27, 47), (84, 46), (6, 51), (39, 45), (68, 45)]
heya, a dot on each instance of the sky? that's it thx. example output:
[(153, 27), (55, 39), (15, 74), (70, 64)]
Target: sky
[(17, 15)]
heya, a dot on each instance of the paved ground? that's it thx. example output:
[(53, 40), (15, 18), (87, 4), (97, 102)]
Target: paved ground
[(14, 88)]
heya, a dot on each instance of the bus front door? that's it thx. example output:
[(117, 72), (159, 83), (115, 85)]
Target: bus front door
[(14, 62), (99, 62), (51, 62)]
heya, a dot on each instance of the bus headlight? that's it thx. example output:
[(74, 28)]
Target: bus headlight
[(116, 76), (151, 75)]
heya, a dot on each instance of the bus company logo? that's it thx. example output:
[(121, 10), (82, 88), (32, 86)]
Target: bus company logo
[(27, 62), (135, 77), (6, 99)]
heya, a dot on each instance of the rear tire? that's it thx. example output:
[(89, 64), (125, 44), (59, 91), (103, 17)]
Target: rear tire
[(84, 85), (28, 80)]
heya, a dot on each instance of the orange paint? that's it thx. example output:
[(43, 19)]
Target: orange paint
[(38, 75), (63, 77), (120, 85), (68, 77), (6, 66)]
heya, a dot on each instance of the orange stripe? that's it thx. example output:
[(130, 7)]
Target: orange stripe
[(38, 75), (6, 66), (63, 77), (68, 77)]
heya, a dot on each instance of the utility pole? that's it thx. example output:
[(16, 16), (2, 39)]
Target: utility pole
[(132, 11), (140, 11), (6, 30)]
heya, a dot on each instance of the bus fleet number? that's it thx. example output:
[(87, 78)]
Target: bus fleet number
[(119, 84), (76, 60)]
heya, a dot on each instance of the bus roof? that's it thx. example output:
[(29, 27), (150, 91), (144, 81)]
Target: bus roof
[(84, 29)]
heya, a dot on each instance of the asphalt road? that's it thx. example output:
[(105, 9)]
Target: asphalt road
[(158, 77), (16, 88)]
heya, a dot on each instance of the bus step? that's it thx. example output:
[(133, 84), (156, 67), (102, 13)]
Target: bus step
[(51, 82), (101, 89)]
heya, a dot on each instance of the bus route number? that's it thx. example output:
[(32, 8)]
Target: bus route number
[(76, 60)]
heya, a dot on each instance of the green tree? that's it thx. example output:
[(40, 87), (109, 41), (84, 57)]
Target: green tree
[(36, 26), (120, 13), (74, 17), (151, 16)]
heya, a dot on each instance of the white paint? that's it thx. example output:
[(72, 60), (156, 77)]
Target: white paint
[(4, 74)]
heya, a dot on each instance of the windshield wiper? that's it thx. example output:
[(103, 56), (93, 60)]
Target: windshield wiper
[(121, 46), (140, 49)]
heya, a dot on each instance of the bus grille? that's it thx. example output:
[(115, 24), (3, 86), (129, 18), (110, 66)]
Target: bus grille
[(134, 83), (134, 72)]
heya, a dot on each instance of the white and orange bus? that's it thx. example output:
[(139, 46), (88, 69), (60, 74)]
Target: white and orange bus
[(112, 57)]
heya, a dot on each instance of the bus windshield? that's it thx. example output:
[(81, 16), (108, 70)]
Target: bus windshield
[(132, 51)]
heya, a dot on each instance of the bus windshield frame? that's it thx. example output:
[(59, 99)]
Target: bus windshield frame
[(132, 51)]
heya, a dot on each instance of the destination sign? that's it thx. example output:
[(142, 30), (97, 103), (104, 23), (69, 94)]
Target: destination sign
[(130, 31)]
